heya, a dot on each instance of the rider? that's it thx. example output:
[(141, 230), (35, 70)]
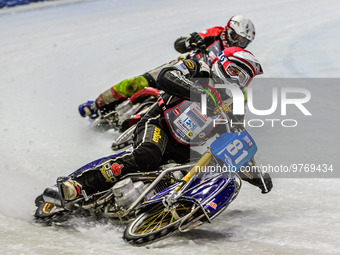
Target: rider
[(239, 32), (162, 134)]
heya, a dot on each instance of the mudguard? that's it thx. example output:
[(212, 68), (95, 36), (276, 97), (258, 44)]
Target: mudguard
[(96, 162)]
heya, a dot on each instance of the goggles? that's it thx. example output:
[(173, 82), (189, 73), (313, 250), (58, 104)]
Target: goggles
[(238, 40), (232, 73)]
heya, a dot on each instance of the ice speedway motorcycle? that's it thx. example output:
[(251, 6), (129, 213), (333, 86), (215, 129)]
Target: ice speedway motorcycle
[(175, 198), (127, 113), (125, 116)]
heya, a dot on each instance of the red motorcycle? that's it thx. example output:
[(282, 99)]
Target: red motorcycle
[(125, 116)]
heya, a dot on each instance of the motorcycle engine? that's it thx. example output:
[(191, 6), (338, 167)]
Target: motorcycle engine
[(126, 192)]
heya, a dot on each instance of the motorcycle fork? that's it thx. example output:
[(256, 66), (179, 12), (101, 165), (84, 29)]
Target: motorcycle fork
[(169, 201), (203, 162)]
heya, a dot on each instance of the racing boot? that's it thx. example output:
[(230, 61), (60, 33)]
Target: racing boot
[(122, 90), (71, 190), (88, 109)]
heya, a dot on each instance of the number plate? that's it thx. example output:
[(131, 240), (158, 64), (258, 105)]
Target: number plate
[(234, 149)]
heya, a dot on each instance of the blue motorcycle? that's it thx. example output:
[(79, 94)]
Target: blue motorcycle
[(176, 198), (201, 195)]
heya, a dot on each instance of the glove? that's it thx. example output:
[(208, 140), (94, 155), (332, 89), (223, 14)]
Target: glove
[(255, 179), (269, 184), (204, 71), (196, 41)]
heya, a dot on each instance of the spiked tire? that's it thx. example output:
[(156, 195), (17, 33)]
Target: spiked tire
[(156, 224)]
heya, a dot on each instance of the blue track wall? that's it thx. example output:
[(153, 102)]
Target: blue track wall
[(11, 3)]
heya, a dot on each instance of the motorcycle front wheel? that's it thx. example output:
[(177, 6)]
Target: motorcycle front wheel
[(157, 223)]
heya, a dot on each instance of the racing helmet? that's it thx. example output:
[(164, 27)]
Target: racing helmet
[(239, 31), (235, 65)]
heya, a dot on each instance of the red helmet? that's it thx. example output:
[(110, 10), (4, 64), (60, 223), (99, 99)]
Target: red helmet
[(236, 65)]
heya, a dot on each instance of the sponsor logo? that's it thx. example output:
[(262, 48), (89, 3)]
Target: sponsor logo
[(190, 134), (183, 67), (190, 124), (156, 134), (248, 141), (247, 29), (116, 169), (228, 160), (110, 171), (199, 115), (177, 111), (222, 57), (103, 170), (224, 108), (201, 135), (198, 55), (180, 132), (212, 204), (189, 64)]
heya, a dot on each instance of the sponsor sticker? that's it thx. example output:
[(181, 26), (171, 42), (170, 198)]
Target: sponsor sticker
[(190, 134), (156, 134), (212, 204), (248, 141), (189, 64), (182, 67), (227, 160), (116, 169), (110, 171), (180, 132), (201, 135), (177, 111)]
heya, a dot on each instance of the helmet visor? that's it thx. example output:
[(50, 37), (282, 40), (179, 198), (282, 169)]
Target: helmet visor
[(239, 40), (238, 74), (232, 73)]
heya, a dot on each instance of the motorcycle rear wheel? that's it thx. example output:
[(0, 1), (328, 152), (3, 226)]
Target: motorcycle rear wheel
[(124, 139), (48, 213), (156, 224)]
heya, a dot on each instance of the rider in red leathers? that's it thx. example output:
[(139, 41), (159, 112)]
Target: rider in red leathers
[(239, 32)]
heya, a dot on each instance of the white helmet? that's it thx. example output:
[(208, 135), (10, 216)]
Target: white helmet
[(239, 31)]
